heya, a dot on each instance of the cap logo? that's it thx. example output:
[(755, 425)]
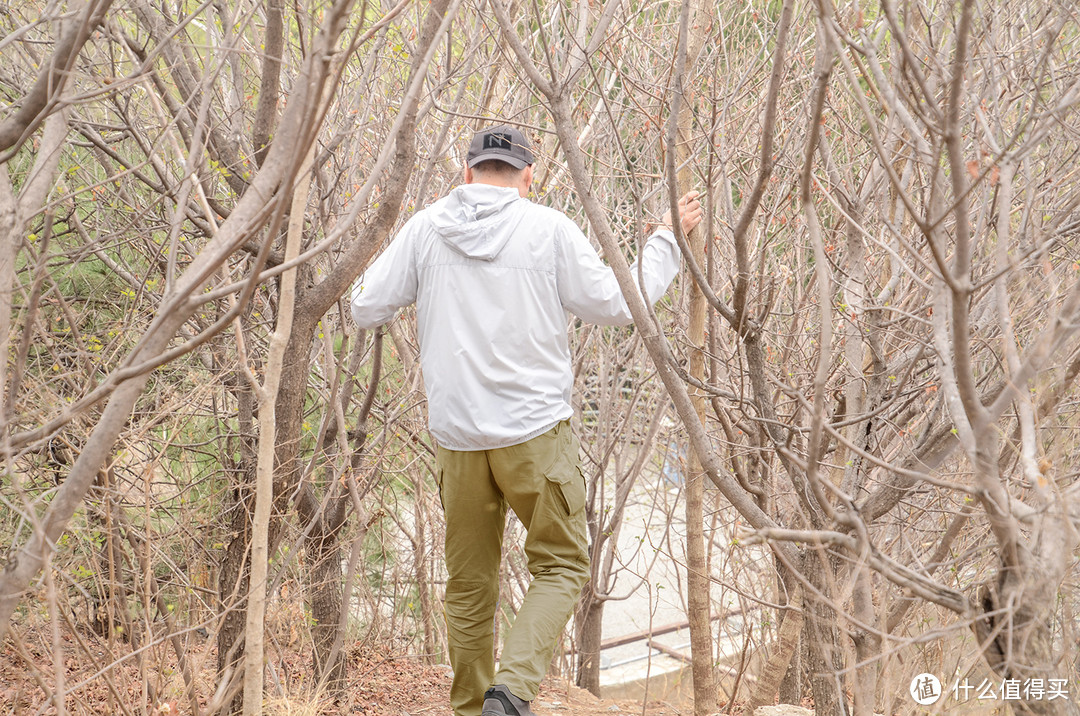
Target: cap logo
[(497, 140)]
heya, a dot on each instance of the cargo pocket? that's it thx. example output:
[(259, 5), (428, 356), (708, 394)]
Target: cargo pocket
[(566, 477)]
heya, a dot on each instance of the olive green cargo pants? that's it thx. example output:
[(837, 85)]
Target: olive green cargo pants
[(541, 481)]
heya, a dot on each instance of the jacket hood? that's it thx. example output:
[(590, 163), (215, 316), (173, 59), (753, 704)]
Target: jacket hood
[(476, 220)]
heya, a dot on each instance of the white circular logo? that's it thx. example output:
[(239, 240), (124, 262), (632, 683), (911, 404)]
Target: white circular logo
[(925, 689)]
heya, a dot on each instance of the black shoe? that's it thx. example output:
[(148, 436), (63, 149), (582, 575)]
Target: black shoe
[(498, 701)]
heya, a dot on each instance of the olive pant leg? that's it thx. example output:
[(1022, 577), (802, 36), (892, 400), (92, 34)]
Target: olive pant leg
[(475, 519), (541, 479)]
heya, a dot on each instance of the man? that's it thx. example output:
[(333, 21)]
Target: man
[(492, 275)]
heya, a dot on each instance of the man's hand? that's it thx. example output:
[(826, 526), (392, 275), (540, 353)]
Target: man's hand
[(689, 213)]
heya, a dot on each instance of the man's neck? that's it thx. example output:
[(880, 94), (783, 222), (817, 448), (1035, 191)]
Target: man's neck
[(495, 182)]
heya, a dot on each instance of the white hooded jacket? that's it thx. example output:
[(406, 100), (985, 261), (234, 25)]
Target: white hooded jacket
[(492, 276)]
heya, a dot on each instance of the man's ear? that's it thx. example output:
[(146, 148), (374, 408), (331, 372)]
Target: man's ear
[(468, 174), (527, 179)]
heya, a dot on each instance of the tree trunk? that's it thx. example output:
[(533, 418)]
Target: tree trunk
[(232, 579), (264, 474), (110, 615), (232, 583), (589, 635), (1019, 641), (698, 601), (825, 658), (793, 685), (269, 80), (323, 578), (324, 596), (420, 569), (775, 670), (311, 305), (867, 645)]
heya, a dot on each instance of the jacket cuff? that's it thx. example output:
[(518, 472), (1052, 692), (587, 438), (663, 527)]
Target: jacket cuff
[(664, 232), (666, 236)]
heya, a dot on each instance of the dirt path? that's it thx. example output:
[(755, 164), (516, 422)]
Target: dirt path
[(379, 679), (379, 683)]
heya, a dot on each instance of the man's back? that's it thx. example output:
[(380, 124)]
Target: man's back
[(492, 275), (492, 327)]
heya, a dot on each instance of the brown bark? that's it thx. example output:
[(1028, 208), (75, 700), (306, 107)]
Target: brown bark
[(420, 569), (185, 81), (50, 83), (323, 558), (1016, 610), (176, 308), (867, 644), (264, 472), (323, 577), (109, 607), (775, 670), (269, 82), (326, 591), (819, 568), (1018, 643), (311, 305), (322, 551), (825, 657), (793, 684), (698, 598), (233, 582), (589, 635)]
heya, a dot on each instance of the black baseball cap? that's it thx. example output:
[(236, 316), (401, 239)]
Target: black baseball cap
[(504, 143)]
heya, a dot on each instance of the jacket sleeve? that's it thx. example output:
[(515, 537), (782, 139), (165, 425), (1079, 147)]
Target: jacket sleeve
[(388, 284), (588, 288)]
